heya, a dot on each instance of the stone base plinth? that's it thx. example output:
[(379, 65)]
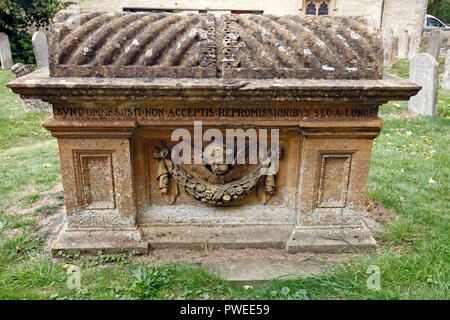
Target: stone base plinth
[(196, 237), (199, 237), (330, 240), (108, 241)]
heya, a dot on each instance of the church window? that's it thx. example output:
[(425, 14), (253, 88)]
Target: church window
[(323, 9), (317, 8), (311, 9)]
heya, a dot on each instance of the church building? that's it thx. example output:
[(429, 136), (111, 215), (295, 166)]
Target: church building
[(385, 14)]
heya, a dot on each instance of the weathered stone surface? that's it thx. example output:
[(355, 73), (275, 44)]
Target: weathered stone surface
[(30, 105), (414, 45), (446, 79), (205, 46), (116, 173), (217, 231), (254, 271), (330, 239), (6, 59), (403, 38), (424, 70), (388, 43), (435, 43), (21, 70), (40, 47), (127, 90), (36, 105), (108, 241)]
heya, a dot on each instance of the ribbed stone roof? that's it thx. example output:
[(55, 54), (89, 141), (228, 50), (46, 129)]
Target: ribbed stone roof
[(164, 45)]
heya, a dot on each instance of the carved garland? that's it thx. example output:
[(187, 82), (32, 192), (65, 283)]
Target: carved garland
[(209, 193)]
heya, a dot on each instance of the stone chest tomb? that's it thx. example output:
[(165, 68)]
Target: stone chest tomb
[(121, 84)]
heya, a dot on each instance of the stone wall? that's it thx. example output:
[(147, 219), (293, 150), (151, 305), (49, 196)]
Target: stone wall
[(370, 9), (404, 15), (280, 7), (395, 14)]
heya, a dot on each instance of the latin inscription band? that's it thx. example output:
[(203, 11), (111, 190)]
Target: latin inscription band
[(160, 113)]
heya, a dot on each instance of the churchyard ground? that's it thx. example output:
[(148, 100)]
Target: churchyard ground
[(410, 174)]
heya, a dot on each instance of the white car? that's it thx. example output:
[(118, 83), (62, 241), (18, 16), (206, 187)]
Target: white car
[(431, 23)]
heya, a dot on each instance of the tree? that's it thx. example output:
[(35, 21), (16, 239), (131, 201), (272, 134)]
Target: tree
[(17, 17), (440, 9)]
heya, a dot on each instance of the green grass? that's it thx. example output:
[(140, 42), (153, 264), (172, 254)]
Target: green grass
[(18, 128), (409, 173)]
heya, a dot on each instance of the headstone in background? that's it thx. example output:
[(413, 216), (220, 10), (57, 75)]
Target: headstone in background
[(445, 44), (5, 52), (435, 43), (446, 79), (414, 45), (403, 45), (388, 40), (40, 47), (424, 70), (30, 105)]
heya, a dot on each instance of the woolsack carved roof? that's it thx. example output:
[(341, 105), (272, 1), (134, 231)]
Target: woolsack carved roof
[(162, 45)]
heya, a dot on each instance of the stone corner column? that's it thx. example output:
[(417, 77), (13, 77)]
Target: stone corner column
[(334, 172), (97, 176)]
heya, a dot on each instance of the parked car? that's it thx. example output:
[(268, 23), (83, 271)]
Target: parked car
[(432, 22)]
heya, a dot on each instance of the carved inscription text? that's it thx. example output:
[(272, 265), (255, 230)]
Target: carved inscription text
[(263, 113)]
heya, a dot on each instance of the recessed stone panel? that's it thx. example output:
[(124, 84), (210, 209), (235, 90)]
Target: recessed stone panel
[(96, 180), (333, 183)]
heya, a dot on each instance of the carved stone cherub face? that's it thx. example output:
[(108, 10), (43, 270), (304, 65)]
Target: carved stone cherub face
[(220, 168), (218, 159)]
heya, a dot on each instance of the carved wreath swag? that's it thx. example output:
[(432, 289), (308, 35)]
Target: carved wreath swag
[(209, 192)]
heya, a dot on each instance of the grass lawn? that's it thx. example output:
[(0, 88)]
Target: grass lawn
[(409, 173)]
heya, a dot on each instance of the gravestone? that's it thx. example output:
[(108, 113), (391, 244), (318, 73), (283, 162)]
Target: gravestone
[(30, 105), (124, 85), (5, 52), (435, 43), (424, 70), (414, 45), (388, 41), (403, 45), (40, 47), (446, 79)]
